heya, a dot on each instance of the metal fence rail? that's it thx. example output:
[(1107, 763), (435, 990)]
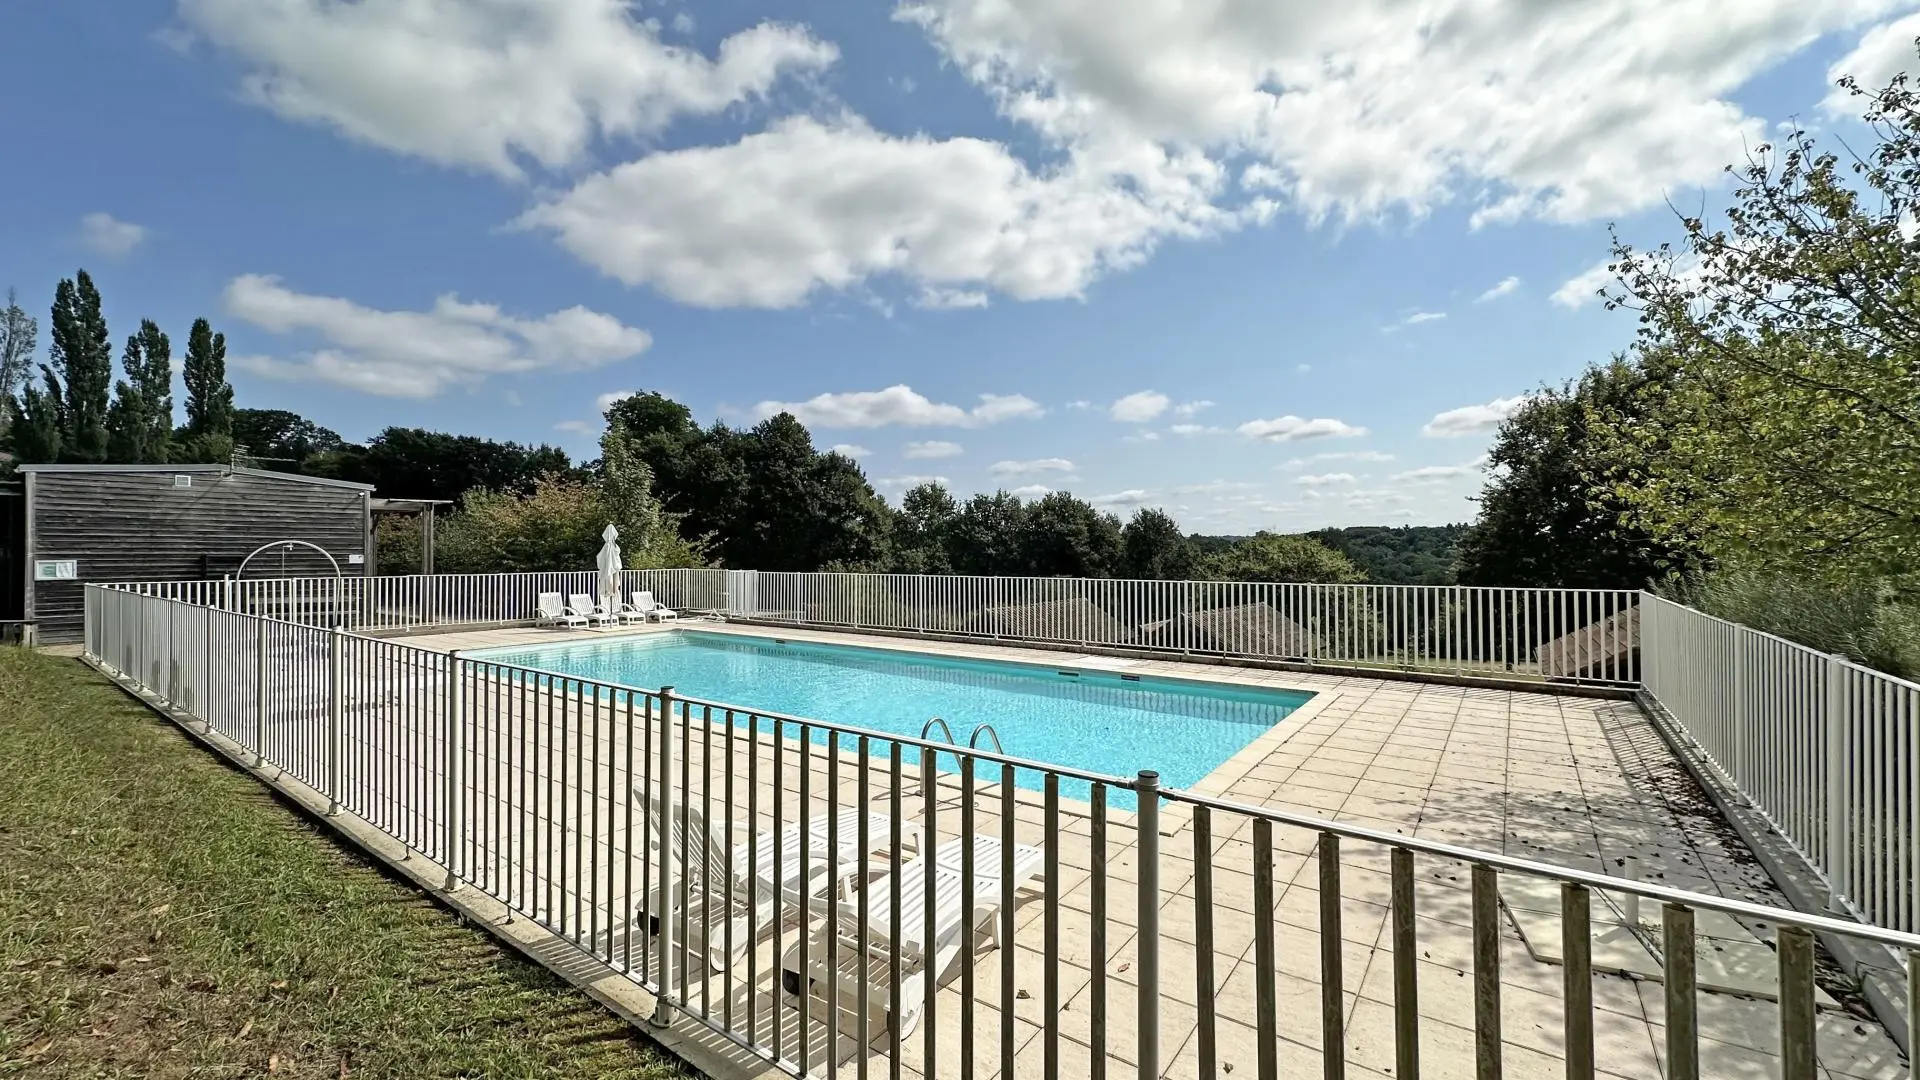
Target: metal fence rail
[(1575, 635), (838, 901), (1827, 750)]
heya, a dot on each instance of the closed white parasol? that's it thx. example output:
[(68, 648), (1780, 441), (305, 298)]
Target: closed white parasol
[(609, 563)]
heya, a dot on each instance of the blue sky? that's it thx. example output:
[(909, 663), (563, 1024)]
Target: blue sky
[(1266, 263)]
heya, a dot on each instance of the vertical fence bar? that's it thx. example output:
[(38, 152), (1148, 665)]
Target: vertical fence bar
[(1576, 946), (1266, 977), (1333, 1028), (1486, 972), (450, 779), (1203, 936), (1683, 1021), (662, 810), (336, 689), (1797, 1059), (1097, 932), (259, 692), (1406, 968), (1147, 824)]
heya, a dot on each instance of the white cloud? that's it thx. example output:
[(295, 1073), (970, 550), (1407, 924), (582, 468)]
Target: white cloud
[(682, 23), (1129, 497), (105, 235), (1325, 479), (419, 354), (1140, 406), (1565, 112), (1882, 52), (1584, 288), (1302, 368), (904, 482), (487, 84), (936, 299), (1337, 455), (1029, 468), (577, 427), (900, 406), (1430, 473), (1189, 430), (809, 204), (1473, 419), (1079, 406), (1419, 317), (1505, 287), (933, 448), (1032, 491), (849, 450), (607, 400), (1296, 429), (1191, 408)]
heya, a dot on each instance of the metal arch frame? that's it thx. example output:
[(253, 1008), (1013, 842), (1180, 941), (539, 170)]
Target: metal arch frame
[(339, 578)]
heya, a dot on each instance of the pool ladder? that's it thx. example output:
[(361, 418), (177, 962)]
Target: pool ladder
[(973, 740), (973, 743)]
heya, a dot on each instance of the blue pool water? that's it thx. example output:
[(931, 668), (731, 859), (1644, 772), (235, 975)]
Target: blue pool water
[(1099, 721)]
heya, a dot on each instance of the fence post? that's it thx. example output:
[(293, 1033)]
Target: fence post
[(1147, 824), (450, 778), (662, 813), (336, 693), (1459, 646), (259, 692), (1836, 720)]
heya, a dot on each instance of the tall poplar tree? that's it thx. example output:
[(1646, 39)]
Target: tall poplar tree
[(209, 430), (140, 421), (81, 358)]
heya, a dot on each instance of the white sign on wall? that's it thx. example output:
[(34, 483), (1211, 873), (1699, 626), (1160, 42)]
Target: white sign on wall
[(56, 569)]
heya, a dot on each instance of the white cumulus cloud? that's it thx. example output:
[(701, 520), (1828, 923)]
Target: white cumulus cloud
[(1298, 429), (900, 406), (933, 448), (1882, 52), (1473, 419), (1325, 479), (483, 85), (1140, 406), (105, 235), (1029, 468), (1504, 287), (849, 450), (1431, 473), (1419, 317), (422, 353)]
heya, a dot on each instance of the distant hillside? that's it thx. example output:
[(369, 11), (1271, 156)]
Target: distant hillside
[(1406, 555)]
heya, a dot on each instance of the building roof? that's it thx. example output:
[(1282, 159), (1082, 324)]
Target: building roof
[(1600, 649), (197, 469), (1075, 619), (1256, 629)]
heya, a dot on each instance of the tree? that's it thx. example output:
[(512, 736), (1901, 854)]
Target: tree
[(37, 428), (1063, 536), (986, 535), (1152, 546), (19, 336), (765, 497), (649, 537), (1267, 556), (140, 420), (208, 435), (1790, 429), (414, 463), (1401, 554), (1547, 517), (281, 439), (81, 365), (923, 531)]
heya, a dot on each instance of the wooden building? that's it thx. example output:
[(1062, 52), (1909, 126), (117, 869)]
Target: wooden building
[(97, 523)]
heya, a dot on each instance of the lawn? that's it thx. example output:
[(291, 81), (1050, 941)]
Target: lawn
[(163, 915)]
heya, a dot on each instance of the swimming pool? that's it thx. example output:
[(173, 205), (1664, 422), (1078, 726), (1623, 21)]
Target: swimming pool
[(1100, 721)]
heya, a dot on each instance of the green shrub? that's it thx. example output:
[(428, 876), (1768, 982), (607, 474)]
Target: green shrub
[(1869, 623)]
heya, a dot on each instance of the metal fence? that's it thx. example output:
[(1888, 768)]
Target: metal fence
[(1575, 635), (839, 901), (1826, 750)]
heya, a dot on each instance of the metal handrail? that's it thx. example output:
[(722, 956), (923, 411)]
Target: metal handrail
[(927, 728), (973, 740)]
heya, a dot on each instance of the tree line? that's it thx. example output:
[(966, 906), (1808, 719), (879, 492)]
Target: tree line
[(73, 410), (1754, 450)]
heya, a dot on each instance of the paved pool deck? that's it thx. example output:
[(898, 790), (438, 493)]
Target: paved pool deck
[(1576, 782)]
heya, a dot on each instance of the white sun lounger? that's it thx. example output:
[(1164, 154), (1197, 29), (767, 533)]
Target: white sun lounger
[(583, 606), (550, 610), (954, 924), (649, 608), (762, 871)]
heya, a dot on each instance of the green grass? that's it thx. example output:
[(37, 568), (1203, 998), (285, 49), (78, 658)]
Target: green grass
[(163, 915)]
